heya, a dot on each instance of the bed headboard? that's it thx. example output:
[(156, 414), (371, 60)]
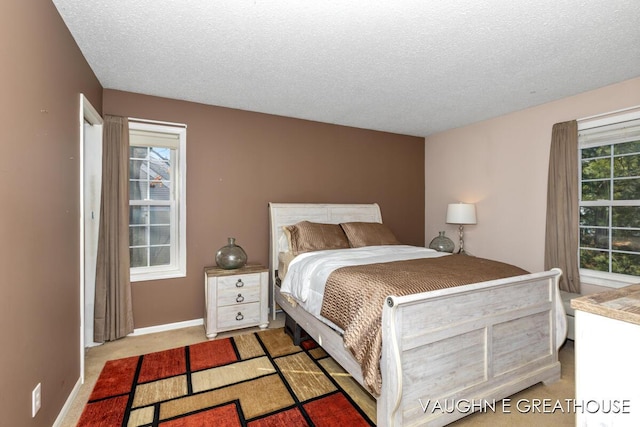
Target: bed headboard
[(282, 214)]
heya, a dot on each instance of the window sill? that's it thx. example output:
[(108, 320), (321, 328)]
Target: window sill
[(609, 280), (156, 275)]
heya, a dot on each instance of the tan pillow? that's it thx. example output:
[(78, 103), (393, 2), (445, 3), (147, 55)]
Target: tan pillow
[(308, 236), (368, 234)]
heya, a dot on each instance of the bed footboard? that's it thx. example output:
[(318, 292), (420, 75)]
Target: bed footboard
[(447, 352)]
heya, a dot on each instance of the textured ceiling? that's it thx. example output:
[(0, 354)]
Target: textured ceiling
[(409, 67)]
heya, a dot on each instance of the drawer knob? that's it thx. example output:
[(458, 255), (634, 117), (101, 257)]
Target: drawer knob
[(239, 316), (239, 298), (239, 283)]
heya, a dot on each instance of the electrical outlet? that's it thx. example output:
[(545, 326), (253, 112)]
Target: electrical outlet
[(36, 400)]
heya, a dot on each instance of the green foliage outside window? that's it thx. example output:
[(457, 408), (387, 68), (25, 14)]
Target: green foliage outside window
[(610, 231)]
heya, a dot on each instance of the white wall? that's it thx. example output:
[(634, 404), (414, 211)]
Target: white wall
[(501, 165)]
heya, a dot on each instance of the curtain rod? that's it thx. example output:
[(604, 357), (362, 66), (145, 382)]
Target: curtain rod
[(610, 113), (156, 122)]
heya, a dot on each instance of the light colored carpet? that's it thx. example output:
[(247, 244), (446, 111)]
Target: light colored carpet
[(517, 415)]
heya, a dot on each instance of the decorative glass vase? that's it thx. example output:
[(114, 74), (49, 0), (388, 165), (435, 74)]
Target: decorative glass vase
[(231, 256), (442, 243)]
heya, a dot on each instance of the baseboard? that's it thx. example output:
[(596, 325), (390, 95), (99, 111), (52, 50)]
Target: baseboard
[(166, 327), (67, 404)]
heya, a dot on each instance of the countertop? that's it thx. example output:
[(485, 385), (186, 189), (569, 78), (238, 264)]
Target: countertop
[(620, 304)]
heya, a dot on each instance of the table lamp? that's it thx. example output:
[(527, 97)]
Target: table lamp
[(461, 214)]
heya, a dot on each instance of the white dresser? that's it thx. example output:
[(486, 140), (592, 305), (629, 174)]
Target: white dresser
[(607, 351), (235, 299)]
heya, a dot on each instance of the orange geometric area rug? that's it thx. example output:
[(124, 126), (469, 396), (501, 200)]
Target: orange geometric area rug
[(254, 380)]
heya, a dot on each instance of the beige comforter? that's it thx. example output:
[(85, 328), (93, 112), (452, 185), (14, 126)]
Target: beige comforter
[(354, 297)]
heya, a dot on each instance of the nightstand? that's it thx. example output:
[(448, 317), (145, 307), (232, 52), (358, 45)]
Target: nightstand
[(235, 299)]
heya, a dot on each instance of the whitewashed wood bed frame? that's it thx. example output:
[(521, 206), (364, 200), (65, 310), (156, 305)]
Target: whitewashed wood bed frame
[(459, 347)]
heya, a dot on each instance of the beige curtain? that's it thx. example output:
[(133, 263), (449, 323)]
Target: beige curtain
[(561, 239), (113, 317)]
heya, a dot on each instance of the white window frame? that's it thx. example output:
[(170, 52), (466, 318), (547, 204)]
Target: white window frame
[(593, 277), (178, 266)]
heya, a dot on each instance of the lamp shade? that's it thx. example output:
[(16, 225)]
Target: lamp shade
[(461, 213)]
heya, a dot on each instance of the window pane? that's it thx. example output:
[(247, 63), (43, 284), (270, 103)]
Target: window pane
[(159, 169), (597, 216), (626, 240), (594, 260), (160, 215), (604, 150), (138, 236), (160, 235), (626, 216), (138, 257), (595, 190), (626, 264), (138, 152), (160, 185), (160, 153), (138, 190), (138, 169), (138, 215), (626, 189), (626, 166), (627, 147), (594, 238), (158, 190), (160, 255), (596, 169)]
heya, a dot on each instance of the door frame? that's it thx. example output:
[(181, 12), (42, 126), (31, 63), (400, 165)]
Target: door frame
[(89, 114)]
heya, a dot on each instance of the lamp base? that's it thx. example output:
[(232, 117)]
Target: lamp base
[(461, 251)]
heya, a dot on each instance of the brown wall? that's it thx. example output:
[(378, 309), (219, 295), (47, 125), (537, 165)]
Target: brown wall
[(41, 78), (238, 161)]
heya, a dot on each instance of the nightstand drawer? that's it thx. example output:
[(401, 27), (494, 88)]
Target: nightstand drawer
[(237, 316), (243, 281), (232, 296)]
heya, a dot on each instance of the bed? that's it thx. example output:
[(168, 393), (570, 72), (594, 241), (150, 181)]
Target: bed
[(456, 348)]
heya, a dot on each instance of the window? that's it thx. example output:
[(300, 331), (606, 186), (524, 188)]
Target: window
[(610, 199), (157, 205)]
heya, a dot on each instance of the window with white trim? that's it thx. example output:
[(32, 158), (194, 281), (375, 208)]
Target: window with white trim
[(157, 201), (610, 198)]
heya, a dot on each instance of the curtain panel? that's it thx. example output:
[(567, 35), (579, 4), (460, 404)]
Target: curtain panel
[(113, 317), (562, 233)]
